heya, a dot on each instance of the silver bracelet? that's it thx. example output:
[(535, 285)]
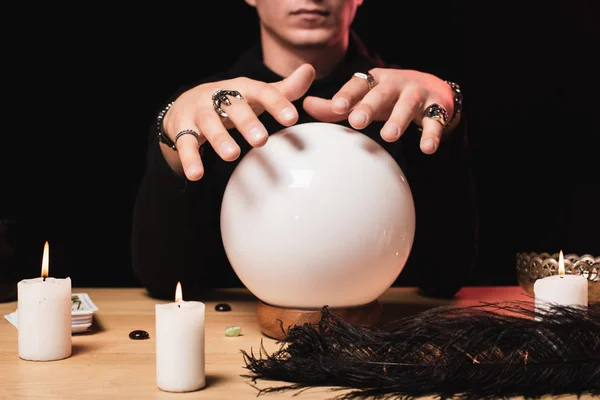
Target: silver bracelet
[(458, 104), (162, 136)]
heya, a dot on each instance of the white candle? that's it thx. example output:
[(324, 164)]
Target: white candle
[(561, 289), (180, 345), (44, 316)]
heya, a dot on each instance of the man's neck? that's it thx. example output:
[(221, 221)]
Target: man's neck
[(284, 59)]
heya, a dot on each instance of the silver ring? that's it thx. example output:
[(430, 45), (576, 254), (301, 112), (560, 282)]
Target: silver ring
[(437, 113), (367, 77), (220, 96), (186, 132)]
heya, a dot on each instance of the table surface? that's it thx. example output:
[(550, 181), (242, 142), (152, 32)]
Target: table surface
[(107, 364)]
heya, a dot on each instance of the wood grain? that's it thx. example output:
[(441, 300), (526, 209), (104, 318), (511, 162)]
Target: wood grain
[(106, 364), (275, 322)]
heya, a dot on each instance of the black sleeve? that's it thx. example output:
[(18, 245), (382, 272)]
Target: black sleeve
[(445, 247), (162, 226), (173, 227)]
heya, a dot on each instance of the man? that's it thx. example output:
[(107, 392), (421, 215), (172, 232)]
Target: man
[(308, 66)]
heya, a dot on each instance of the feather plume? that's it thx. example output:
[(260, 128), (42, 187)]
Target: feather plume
[(491, 350)]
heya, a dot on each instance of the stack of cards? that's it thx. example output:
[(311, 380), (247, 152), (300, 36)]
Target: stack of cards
[(82, 313)]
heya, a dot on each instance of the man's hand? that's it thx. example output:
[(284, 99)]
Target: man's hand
[(194, 110), (398, 97)]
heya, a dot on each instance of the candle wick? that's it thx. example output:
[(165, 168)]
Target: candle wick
[(179, 305), (44, 279)]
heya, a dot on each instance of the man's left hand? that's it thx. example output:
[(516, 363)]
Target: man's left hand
[(397, 97)]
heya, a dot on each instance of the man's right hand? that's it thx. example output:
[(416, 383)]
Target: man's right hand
[(194, 110)]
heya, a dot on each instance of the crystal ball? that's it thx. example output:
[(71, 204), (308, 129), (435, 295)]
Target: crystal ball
[(319, 215)]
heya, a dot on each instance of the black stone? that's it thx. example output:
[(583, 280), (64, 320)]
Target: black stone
[(223, 307), (138, 335)]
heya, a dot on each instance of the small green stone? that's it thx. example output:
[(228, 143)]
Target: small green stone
[(233, 331)]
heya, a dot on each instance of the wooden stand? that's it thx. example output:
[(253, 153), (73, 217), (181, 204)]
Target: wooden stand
[(269, 317)]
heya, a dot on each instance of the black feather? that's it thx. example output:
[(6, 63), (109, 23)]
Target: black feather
[(486, 351)]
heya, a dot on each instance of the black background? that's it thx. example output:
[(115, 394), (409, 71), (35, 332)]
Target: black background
[(86, 83)]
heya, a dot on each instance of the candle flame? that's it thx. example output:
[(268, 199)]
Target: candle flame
[(561, 264), (178, 293), (45, 261)]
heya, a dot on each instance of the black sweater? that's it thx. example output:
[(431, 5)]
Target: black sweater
[(176, 228)]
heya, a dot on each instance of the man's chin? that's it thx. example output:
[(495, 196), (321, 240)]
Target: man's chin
[(313, 38)]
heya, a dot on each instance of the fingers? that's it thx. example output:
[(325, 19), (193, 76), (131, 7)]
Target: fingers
[(341, 104), (275, 98), (376, 102), (274, 102), (320, 109), (186, 159), (242, 116), (431, 121), (297, 83), (194, 111), (349, 95), (430, 139), (411, 107), (189, 155), (219, 138), (408, 107), (247, 123)]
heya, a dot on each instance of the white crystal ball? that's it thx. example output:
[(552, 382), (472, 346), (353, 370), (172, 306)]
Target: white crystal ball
[(320, 215)]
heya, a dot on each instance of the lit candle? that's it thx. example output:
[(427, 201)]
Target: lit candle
[(561, 289), (180, 345), (44, 316)]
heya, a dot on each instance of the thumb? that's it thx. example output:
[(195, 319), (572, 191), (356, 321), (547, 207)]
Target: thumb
[(297, 83)]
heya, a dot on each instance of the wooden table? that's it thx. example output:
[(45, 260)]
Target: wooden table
[(106, 364)]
